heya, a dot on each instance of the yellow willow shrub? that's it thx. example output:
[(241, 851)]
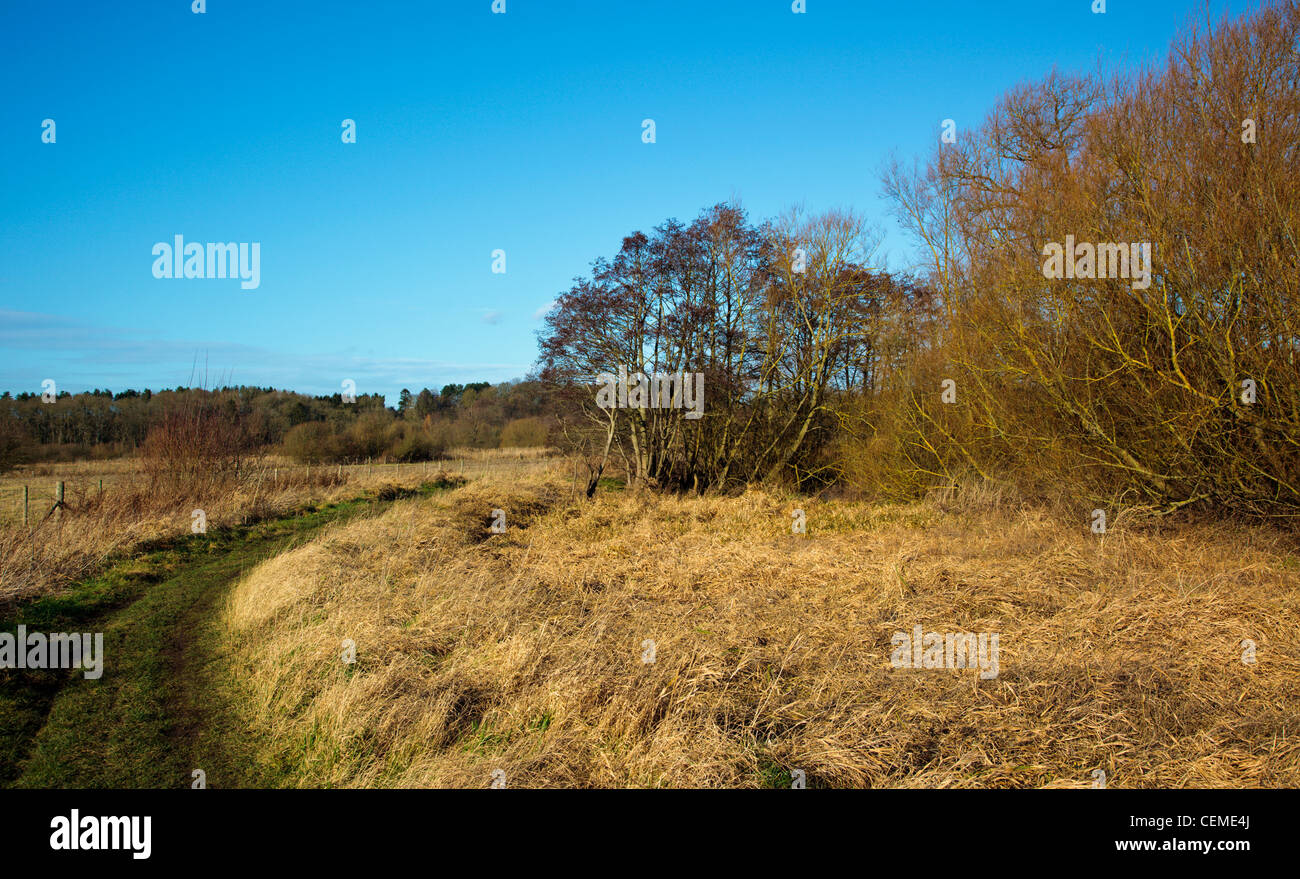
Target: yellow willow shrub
[(1118, 262)]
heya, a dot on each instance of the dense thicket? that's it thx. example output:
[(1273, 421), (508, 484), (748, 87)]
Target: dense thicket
[(1183, 391)]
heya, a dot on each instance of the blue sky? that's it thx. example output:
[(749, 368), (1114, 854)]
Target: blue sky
[(475, 132)]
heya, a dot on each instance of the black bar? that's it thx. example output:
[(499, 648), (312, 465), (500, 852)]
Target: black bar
[(330, 828)]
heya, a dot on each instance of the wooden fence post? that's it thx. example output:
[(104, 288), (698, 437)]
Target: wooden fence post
[(24, 505)]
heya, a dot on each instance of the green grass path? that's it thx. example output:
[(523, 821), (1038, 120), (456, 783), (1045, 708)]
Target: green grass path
[(164, 705)]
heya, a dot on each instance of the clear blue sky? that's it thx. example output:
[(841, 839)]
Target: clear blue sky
[(474, 132)]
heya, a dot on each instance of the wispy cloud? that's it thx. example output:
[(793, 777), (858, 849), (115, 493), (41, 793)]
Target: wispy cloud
[(79, 356)]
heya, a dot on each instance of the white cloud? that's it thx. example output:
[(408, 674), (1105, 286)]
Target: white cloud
[(80, 356)]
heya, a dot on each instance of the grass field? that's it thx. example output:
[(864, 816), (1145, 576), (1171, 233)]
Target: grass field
[(526, 652), (646, 639)]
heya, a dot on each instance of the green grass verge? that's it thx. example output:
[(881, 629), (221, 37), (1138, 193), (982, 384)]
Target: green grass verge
[(164, 705)]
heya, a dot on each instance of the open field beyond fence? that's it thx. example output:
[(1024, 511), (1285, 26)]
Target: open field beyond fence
[(28, 494), (112, 506)]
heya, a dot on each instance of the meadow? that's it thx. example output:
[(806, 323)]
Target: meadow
[(392, 629), (648, 640)]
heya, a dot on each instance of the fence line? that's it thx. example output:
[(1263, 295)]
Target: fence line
[(31, 501)]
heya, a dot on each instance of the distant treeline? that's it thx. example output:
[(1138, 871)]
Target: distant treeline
[(101, 423)]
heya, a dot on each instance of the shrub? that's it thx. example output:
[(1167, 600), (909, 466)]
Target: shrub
[(524, 432), (198, 436), (1176, 385), (411, 444), (368, 436), (313, 442)]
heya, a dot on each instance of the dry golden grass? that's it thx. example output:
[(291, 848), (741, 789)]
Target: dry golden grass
[(135, 507), (523, 651)]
